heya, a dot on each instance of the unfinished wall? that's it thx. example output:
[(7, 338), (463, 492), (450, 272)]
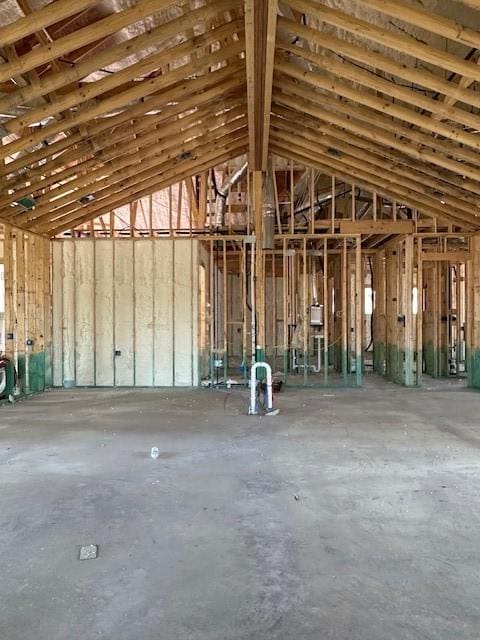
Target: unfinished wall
[(125, 312), (28, 321), (473, 315)]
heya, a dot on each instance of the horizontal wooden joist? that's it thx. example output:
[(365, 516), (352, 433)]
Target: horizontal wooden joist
[(390, 227), (446, 256)]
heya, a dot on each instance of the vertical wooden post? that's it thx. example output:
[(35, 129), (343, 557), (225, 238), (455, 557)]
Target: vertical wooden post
[(344, 310), (20, 308), (285, 309), (170, 211), (202, 204), (305, 314), (326, 311), (409, 344), (391, 314), (179, 206), (9, 297), (474, 314), (30, 316), (277, 205), (359, 286), (379, 313), (243, 272), (419, 321), (333, 206), (249, 204), (150, 214), (273, 264), (193, 206), (312, 201), (225, 312), (292, 200), (212, 311)]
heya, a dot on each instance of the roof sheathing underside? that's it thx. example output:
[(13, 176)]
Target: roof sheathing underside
[(63, 174)]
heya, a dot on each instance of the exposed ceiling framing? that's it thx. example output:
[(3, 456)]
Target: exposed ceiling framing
[(106, 102)]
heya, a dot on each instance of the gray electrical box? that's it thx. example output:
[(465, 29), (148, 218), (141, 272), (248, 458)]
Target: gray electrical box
[(316, 315)]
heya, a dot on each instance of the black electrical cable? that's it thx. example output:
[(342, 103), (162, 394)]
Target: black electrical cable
[(215, 188)]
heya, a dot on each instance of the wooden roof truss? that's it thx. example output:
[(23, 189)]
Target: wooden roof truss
[(99, 109)]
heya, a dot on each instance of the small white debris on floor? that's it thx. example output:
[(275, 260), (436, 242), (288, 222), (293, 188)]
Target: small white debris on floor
[(88, 552)]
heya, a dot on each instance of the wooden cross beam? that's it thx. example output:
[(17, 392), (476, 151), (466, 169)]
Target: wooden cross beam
[(260, 35)]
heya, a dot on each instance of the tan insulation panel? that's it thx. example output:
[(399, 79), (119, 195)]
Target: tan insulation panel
[(143, 329), (125, 312), (104, 353), (57, 314), (84, 313), (163, 312)]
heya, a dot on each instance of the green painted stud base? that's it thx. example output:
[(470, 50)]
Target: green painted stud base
[(473, 360), (260, 356)]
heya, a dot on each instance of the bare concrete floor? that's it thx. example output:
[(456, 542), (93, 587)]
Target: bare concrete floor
[(352, 515)]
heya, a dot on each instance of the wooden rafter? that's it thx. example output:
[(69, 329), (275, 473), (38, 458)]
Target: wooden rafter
[(172, 177), (144, 88), (113, 54), (361, 178), (117, 80), (366, 123), (350, 72), (117, 146), (390, 176), (132, 165), (400, 42), (101, 130), (42, 18), (385, 109), (337, 143)]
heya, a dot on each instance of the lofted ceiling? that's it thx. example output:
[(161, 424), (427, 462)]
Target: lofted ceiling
[(104, 102)]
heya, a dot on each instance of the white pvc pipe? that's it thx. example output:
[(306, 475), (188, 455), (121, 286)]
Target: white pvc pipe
[(253, 387)]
